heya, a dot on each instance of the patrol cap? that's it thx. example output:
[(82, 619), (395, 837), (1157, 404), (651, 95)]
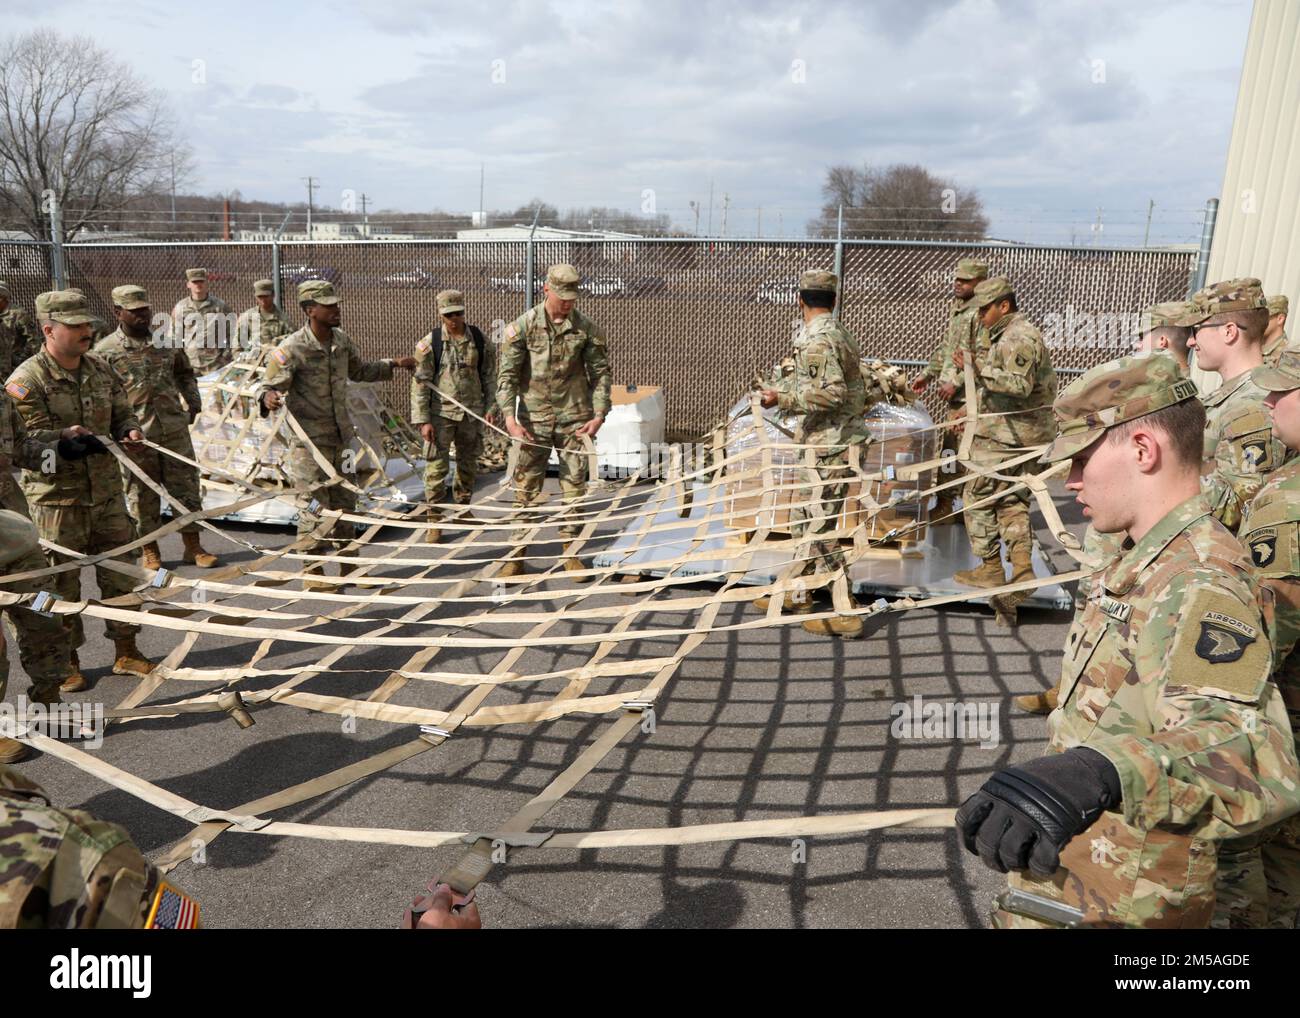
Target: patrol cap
[(18, 537), (196, 275), (819, 279), (263, 287), (563, 280), (130, 296), (319, 290), (1245, 294), (989, 290), (43, 305), (1180, 313), (972, 268), (1276, 305), (1284, 377), (68, 307), (449, 301), (1112, 393)]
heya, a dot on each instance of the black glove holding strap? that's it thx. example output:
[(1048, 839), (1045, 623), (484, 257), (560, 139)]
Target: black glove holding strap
[(79, 447), (1025, 815)]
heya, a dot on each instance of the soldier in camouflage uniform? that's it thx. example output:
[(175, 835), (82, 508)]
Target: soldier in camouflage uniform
[(19, 336), (63, 869), (1014, 378), (203, 325), (79, 504), (1275, 340), (555, 366), (1169, 737), (1259, 875), (1240, 447), (308, 371), (165, 397), (827, 390), (261, 326), (1162, 329), (963, 324), (457, 360)]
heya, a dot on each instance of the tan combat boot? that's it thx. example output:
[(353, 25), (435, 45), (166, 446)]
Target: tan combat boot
[(1021, 569), (315, 586), (1038, 703), (128, 660), (150, 556), (75, 682), (514, 564), (847, 626), (194, 553), (573, 564), (432, 536), (789, 605), (11, 750), (988, 574)]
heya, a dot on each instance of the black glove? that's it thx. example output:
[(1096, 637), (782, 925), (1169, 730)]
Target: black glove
[(80, 446), (1025, 815)]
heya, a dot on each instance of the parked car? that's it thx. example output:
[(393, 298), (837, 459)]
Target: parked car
[(295, 274), (410, 279), (515, 283), (603, 286), (777, 291)]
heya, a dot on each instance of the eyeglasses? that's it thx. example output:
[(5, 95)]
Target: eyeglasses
[(1197, 329)]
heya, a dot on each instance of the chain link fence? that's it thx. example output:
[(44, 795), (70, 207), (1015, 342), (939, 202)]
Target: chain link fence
[(698, 317)]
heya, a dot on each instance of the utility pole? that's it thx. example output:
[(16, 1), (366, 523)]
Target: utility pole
[(1097, 228), (1146, 236), (365, 219), (312, 183), (481, 218), (726, 201), (173, 194), (710, 208), (695, 206), (759, 231)]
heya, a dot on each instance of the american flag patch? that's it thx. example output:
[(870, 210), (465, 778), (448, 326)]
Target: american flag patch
[(172, 910), (280, 356), (424, 346), (17, 390)]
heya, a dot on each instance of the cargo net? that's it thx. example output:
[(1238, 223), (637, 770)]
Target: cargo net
[(432, 602)]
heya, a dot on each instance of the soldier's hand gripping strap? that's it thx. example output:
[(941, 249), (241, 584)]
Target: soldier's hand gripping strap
[(1025, 815), (79, 447)]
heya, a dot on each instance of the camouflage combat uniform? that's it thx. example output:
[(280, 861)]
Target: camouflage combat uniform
[(257, 330), (206, 331), (160, 385), (471, 383), (1259, 875), (1240, 447), (315, 381), (826, 389), (1277, 305), (43, 645), (63, 869), (1165, 674), (963, 326), (1013, 376), (79, 505), (19, 339), (559, 374)]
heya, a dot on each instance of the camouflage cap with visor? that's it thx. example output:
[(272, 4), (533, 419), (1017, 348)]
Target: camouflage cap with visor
[(129, 297), (1277, 304), (1245, 294), (1179, 313), (989, 290), (819, 279), (972, 268), (563, 280), (450, 301), (321, 291), (66, 306), (263, 288), (196, 275), (1112, 393), (1281, 377)]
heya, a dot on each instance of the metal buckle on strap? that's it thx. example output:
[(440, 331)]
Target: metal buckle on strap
[(160, 577), (1038, 908), (42, 601), (638, 706), (441, 733)]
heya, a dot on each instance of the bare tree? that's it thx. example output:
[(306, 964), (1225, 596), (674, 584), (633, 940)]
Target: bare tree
[(77, 128), (901, 201)]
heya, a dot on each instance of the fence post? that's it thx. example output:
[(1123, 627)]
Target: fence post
[(57, 267), (528, 262), (1202, 265), (275, 260), (839, 260)]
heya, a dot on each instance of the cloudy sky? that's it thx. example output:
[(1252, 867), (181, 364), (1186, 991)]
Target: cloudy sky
[(1049, 109)]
